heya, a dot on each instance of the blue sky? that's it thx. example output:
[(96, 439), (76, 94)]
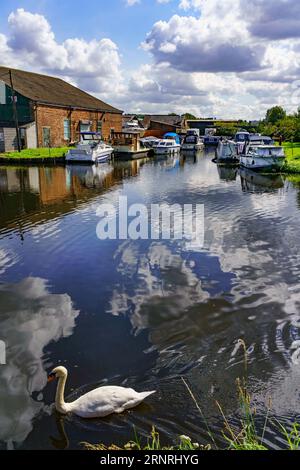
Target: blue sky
[(230, 59), (123, 24)]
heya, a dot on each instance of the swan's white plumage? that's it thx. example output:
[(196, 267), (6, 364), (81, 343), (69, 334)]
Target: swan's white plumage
[(107, 400), (98, 403)]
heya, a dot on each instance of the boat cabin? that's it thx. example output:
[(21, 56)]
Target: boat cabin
[(167, 143), (242, 136), (193, 132)]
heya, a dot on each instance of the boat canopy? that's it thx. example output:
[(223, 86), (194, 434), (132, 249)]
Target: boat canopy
[(228, 149), (172, 135)]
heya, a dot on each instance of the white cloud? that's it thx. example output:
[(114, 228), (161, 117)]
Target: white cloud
[(131, 3), (210, 63), (93, 65)]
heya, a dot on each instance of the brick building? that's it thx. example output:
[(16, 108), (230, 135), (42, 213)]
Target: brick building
[(50, 111)]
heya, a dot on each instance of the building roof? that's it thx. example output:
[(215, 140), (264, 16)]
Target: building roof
[(44, 89), (163, 118), (163, 123)]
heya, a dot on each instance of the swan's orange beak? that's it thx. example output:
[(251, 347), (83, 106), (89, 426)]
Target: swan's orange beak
[(51, 377)]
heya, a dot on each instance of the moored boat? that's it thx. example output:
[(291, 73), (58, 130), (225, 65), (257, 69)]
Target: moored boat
[(227, 152), (91, 149), (128, 146), (263, 157), (166, 147), (192, 142), (211, 140), (244, 138)]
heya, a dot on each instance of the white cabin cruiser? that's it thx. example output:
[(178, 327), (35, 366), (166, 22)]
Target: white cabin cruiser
[(90, 149), (192, 142), (166, 147), (263, 157), (244, 138)]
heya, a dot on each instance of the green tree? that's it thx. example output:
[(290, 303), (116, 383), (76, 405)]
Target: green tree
[(189, 116), (275, 114)]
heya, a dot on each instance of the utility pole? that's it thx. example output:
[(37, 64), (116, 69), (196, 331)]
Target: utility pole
[(15, 111)]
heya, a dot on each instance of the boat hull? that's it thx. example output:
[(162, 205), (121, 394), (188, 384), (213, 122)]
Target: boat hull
[(131, 155), (227, 160), (262, 163), (191, 147), (95, 157), (166, 151)]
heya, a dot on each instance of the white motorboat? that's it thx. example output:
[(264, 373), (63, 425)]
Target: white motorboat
[(90, 149), (263, 157), (227, 152), (192, 142), (166, 147), (244, 138)]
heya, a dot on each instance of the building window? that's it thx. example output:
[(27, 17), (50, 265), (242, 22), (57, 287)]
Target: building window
[(67, 129), (46, 137), (2, 93), (84, 127), (99, 127)]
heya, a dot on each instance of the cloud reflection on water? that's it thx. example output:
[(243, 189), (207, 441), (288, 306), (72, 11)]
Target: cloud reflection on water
[(31, 318)]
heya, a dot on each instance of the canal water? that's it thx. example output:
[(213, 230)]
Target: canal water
[(148, 313)]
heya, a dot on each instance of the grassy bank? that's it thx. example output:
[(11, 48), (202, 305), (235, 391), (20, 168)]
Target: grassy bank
[(152, 443), (39, 154), (292, 151)]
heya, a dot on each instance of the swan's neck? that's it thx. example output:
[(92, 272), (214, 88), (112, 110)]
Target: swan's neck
[(60, 404)]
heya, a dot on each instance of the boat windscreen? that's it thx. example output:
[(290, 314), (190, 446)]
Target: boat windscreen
[(270, 151)]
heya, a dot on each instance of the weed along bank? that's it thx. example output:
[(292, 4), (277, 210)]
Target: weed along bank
[(48, 111)]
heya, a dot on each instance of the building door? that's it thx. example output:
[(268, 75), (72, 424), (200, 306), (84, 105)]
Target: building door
[(46, 136)]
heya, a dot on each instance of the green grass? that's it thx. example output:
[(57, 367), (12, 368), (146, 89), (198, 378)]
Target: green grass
[(292, 151), (153, 443), (40, 153)]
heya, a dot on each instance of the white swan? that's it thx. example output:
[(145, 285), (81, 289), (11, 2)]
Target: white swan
[(98, 403)]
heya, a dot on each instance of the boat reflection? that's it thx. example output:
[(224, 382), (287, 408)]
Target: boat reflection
[(256, 182), (169, 163), (31, 318), (90, 176), (227, 173)]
